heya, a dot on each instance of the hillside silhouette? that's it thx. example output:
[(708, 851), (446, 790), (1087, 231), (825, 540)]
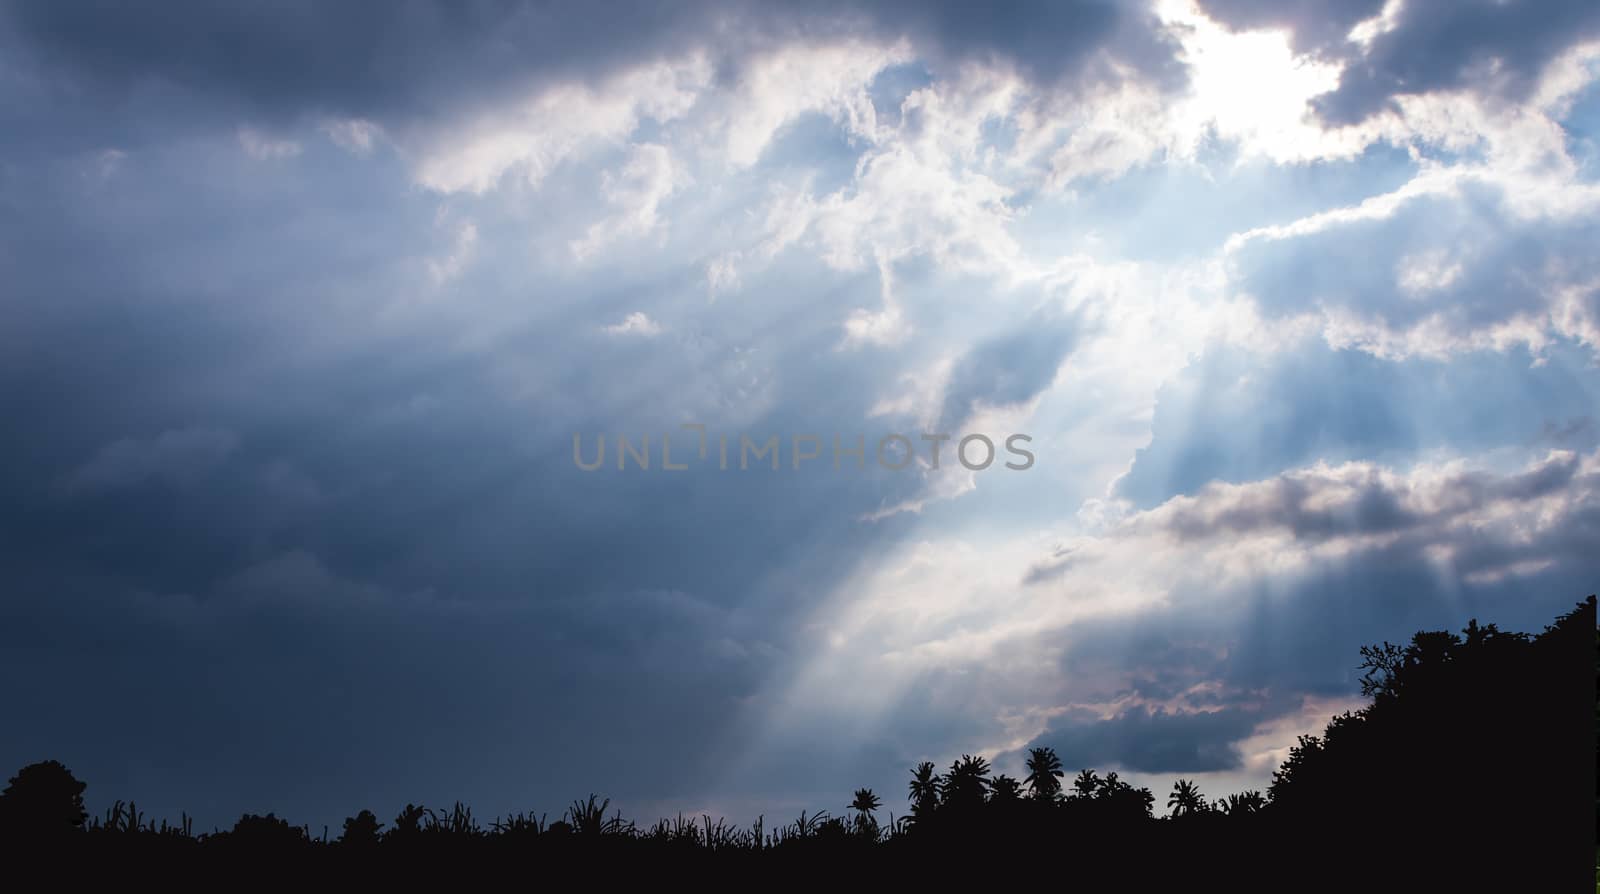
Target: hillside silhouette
[(1469, 768)]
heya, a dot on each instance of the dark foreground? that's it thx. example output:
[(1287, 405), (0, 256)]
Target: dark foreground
[(1471, 769)]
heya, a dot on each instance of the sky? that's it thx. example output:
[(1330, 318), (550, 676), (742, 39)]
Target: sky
[(303, 307)]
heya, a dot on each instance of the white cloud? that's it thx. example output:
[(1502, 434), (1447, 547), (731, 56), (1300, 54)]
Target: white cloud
[(885, 326), (1427, 272), (1111, 133), (100, 167), (899, 206), (778, 87), (636, 192), (535, 135), (1468, 147), (722, 274), (356, 136), (1366, 31), (262, 147), (637, 323), (463, 248)]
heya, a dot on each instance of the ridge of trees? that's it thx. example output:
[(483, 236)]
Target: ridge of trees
[(1466, 764)]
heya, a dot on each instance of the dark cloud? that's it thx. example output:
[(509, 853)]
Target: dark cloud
[(1283, 503), (1498, 48), (1317, 506), (279, 514), (179, 456), (295, 690), (400, 61), (1577, 430), (365, 58), (1047, 40), (1049, 568), (1152, 740), (1010, 368), (1315, 25)]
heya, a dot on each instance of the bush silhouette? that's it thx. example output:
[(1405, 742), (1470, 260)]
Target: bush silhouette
[(43, 799), (266, 833), (361, 830)]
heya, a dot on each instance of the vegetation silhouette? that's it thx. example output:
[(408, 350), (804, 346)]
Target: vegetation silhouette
[(1470, 767)]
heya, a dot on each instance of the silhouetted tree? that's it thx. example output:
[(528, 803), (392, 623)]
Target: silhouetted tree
[(43, 799), (408, 822), (361, 829), (266, 833), (1044, 774), (966, 784), (1186, 799), (864, 804), (1241, 804), (927, 790), (1447, 708), (1086, 784), (1120, 800), (1004, 790)]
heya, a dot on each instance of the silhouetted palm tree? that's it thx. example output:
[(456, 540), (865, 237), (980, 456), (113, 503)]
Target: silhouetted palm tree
[(1044, 774), (1086, 784), (926, 790), (1185, 799), (864, 804), (1004, 790), (966, 784), (1123, 800), (1241, 803)]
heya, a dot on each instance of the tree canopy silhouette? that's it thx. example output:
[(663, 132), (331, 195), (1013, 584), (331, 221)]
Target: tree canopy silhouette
[(1044, 774), (43, 799)]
